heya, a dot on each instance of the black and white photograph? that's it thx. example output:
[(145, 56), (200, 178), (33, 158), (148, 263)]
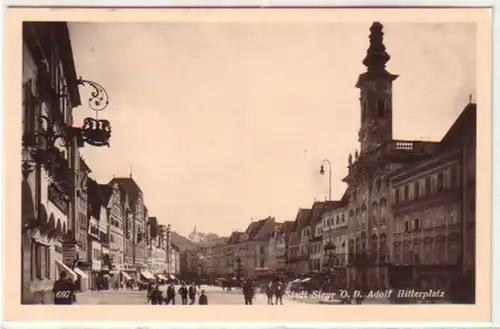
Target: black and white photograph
[(185, 163)]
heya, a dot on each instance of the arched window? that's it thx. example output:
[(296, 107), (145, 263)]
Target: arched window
[(406, 196), (363, 214), (383, 211), (375, 214)]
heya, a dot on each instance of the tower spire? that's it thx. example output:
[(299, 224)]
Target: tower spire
[(130, 171), (376, 55)]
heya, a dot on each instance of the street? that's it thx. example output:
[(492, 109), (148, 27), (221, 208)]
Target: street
[(134, 297)]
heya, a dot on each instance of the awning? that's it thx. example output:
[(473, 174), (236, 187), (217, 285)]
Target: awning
[(64, 268), (148, 275), (161, 277), (306, 280), (126, 276), (81, 273), (172, 277)]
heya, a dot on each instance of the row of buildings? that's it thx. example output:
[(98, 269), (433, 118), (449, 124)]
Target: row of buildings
[(99, 233), (407, 216)]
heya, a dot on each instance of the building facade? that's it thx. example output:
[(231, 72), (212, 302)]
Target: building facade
[(433, 209), (297, 254), (135, 226), (335, 249), (48, 189), (368, 187), (316, 247)]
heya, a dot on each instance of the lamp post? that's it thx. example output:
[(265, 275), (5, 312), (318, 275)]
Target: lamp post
[(322, 172)]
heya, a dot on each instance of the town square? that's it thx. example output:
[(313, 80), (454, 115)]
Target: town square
[(158, 169)]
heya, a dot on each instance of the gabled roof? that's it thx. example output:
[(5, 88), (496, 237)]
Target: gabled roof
[(466, 119), (105, 191), (302, 218), (288, 227), (129, 186), (234, 237), (255, 227), (94, 199), (266, 229), (321, 207)]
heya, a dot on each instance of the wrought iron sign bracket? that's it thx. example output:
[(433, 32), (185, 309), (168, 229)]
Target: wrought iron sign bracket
[(94, 131)]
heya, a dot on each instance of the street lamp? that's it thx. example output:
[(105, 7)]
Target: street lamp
[(322, 172)]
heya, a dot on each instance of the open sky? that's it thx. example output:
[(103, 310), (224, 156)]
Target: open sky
[(224, 122)]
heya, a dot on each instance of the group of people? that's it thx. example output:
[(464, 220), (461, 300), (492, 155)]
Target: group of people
[(156, 295), (275, 290)]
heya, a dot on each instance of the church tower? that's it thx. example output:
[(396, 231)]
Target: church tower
[(376, 94)]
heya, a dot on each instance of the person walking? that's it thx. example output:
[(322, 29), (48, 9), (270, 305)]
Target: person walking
[(270, 293), (203, 300), (192, 293), (248, 292), (280, 290), (64, 290), (156, 296), (170, 295), (183, 291)]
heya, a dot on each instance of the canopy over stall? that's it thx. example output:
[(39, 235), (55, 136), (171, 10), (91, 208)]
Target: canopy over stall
[(161, 277), (126, 276), (147, 275)]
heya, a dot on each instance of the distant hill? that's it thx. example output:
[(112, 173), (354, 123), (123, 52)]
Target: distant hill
[(182, 242)]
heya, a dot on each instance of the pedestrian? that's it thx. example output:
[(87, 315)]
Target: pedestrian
[(170, 295), (270, 293), (280, 290), (248, 292), (192, 293), (203, 300), (155, 296), (64, 290), (183, 291)]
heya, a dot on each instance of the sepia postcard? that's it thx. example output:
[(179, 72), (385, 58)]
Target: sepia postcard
[(285, 165)]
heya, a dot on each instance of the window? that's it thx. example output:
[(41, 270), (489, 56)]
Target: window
[(407, 227), (416, 187), (380, 108), (416, 224), (40, 261), (406, 196), (439, 182), (396, 196), (428, 186)]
